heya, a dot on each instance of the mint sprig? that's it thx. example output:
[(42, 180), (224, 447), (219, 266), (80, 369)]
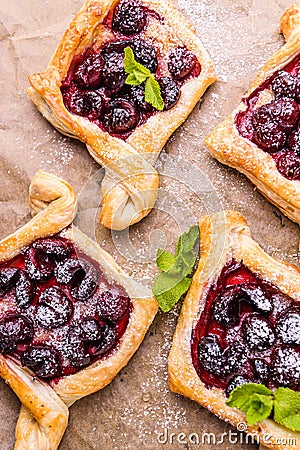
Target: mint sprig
[(258, 403), (138, 74), (174, 280)]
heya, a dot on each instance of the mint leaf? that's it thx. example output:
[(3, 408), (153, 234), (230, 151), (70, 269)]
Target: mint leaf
[(257, 401), (187, 240), (130, 64), (173, 282), (153, 93), (260, 408), (287, 408), (242, 396), (141, 77), (131, 79), (138, 74), (170, 298), (164, 260)]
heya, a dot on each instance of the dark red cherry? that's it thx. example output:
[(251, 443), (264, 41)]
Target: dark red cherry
[(269, 136), (170, 91), (14, 329), (55, 247), (88, 74), (109, 338), (54, 308), (288, 165), (39, 265), (90, 329), (288, 326), (129, 17), (75, 349), (112, 306), (210, 354), (145, 54), (43, 360), (294, 141), (82, 276), (226, 307), (244, 123), (68, 269), (236, 381), (181, 62), (257, 333), (234, 358), (95, 102), (257, 296), (76, 101), (284, 85), (285, 112), (8, 278), (117, 46), (25, 290), (262, 115), (85, 289), (137, 94), (285, 367), (114, 74), (121, 116), (261, 371)]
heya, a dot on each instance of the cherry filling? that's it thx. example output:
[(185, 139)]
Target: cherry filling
[(275, 125), (95, 87), (249, 331), (58, 312)]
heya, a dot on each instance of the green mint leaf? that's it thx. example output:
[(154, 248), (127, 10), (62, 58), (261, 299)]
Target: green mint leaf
[(167, 300), (164, 260), (141, 77), (172, 283), (287, 408), (129, 60), (260, 408), (138, 74), (153, 93), (131, 79), (131, 65), (241, 396), (187, 240)]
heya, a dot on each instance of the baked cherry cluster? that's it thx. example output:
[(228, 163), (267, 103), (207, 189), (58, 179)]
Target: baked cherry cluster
[(275, 126), (249, 331), (95, 87), (58, 312)]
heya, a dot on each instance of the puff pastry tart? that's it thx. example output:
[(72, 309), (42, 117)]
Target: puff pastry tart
[(70, 318), (240, 322), (261, 138), (84, 95)]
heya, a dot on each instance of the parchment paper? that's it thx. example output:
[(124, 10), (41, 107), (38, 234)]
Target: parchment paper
[(239, 35)]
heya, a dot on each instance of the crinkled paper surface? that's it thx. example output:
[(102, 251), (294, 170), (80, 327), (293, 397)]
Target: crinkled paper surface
[(137, 406)]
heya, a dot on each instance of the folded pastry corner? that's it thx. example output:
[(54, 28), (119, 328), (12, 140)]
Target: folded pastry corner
[(84, 93), (70, 318), (239, 323)]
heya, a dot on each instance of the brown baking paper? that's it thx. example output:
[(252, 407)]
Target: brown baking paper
[(137, 409)]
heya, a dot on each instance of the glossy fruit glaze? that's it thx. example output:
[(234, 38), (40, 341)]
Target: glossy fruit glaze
[(95, 87), (248, 331), (58, 312), (275, 126)]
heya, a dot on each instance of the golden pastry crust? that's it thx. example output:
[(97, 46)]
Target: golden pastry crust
[(44, 413), (229, 147), (129, 189), (225, 236)]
